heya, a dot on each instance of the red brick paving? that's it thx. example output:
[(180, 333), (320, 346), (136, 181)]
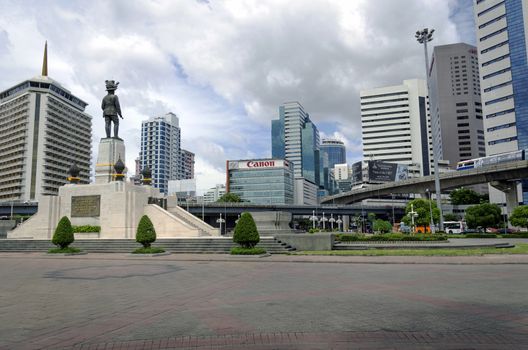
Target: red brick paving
[(323, 340)]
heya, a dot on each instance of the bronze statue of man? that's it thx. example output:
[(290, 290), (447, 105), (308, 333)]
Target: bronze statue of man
[(111, 108)]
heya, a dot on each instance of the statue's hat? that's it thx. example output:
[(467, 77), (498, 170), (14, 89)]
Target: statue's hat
[(111, 85)]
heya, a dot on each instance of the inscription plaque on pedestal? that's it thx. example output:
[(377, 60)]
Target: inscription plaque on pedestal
[(85, 206)]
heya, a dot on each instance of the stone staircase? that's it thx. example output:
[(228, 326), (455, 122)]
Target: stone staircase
[(220, 245), (204, 228)]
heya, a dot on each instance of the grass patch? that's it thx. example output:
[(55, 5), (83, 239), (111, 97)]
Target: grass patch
[(521, 248), (67, 250), (149, 250), (247, 251)]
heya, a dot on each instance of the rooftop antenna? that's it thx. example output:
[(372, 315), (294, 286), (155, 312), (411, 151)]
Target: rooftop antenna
[(45, 61)]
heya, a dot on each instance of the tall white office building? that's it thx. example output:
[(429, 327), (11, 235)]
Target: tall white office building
[(396, 126), (213, 194), (501, 28), (43, 131), (160, 149)]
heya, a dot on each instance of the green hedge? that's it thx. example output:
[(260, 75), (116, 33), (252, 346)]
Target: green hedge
[(145, 233), (246, 233), (515, 235), (86, 228), (63, 235), (247, 251), (149, 250), (389, 237)]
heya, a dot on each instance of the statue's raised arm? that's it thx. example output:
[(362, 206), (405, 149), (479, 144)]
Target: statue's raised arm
[(111, 108)]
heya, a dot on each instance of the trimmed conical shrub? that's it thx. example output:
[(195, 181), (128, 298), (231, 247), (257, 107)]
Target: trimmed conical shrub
[(145, 234), (63, 235), (246, 233)]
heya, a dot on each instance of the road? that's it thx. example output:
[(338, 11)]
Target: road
[(116, 301)]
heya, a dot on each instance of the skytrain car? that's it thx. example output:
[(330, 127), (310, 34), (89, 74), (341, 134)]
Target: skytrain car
[(492, 160)]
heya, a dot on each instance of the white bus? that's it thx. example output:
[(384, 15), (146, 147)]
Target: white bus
[(454, 227)]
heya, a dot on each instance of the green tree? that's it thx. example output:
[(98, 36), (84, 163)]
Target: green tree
[(464, 195), (483, 215), (519, 217), (63, 235), (382, 226), (423, 208), (246, 233), (145, 233), (451, 217), (229, 198)]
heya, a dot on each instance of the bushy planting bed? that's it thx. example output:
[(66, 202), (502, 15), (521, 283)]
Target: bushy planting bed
[(247, 251), (388, 237)]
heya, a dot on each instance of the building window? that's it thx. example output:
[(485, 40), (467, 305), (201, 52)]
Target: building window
[(508, 139)]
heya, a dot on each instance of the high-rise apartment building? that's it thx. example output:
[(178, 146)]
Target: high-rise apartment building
[(160, 149), (295, 138), (501, 28), (455, 99), (43, 131), (335, 150), (396, 126), (187, 164)]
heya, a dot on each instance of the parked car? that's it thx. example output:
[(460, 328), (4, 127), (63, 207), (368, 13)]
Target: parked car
[(472, 230), (501, 230)]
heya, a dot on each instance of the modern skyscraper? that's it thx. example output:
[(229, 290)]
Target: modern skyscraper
[(261, 181), (455, 99), (295, 138), (396, 126), (160, 149), (187, 164), (501, 28), (335, 150), (43, 131)]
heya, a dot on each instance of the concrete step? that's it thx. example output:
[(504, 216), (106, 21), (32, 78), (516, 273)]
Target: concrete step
[(184, 245)]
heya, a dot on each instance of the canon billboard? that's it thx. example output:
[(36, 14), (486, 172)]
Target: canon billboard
[(258, 164)]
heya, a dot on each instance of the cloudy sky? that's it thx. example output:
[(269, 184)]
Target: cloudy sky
[(224, 67)]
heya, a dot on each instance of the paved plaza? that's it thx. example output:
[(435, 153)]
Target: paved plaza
[(115, 301)]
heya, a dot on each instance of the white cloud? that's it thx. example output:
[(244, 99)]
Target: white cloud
[(224, 67)]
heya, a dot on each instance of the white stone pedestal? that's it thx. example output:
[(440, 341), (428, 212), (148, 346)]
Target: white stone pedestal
[(116, 206), (110, 150)]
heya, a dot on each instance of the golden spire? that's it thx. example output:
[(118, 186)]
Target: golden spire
[(45, 61)]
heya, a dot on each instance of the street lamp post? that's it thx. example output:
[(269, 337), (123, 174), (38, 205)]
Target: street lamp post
[(413, 214), (339, 222), (314, 219), (323, 219), (332, 220), (393, 220), (423, 37), (431, 220), (11, 217), (220, 221)]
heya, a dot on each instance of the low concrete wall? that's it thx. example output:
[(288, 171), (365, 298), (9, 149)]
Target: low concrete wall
[(6, 225), (307, 241)]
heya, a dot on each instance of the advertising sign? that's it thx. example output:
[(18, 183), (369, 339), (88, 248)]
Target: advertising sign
[(379, 171), (258, 164), (357, 172)]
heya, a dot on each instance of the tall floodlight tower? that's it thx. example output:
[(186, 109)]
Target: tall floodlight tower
[(423, 37)]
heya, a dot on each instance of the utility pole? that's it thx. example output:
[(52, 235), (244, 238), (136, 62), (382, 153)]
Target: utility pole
[(423, 37)]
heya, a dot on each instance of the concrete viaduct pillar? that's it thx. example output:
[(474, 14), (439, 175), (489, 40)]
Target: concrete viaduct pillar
[(509, 188)]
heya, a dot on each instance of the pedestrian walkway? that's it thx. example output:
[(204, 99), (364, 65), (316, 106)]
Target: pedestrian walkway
[(489, 259)]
